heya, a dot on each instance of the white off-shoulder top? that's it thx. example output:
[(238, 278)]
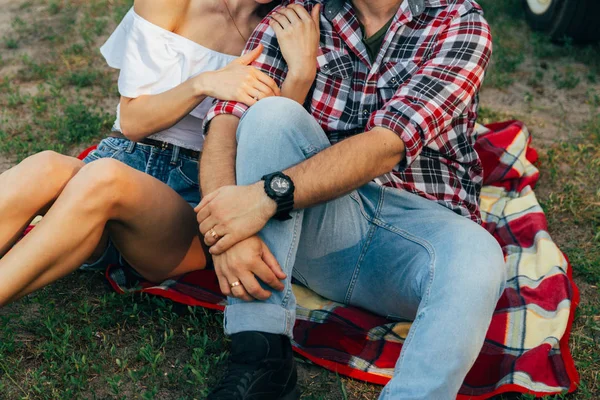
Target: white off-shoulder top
[(153, 60)]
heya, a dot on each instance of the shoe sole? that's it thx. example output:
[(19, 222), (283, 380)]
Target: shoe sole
[(293, 395)]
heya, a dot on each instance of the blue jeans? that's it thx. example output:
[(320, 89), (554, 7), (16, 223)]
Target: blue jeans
[(169, 166), (382, 249)]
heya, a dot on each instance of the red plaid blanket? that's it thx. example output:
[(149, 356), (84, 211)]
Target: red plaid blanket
[(526, 348)]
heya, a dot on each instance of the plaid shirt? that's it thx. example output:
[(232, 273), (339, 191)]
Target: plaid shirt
[(423, 86)]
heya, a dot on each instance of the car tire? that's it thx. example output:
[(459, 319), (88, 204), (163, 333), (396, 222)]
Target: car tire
[(577, 19)]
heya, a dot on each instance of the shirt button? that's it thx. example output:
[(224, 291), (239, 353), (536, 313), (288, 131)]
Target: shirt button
[(393, 80), (365, 112)]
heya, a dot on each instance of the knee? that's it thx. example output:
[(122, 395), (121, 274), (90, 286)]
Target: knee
[(269, 118), (52, 164), (483, 270), (49, 169), (101, 183)]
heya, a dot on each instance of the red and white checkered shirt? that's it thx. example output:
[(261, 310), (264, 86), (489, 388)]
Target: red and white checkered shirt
[(423, 85)]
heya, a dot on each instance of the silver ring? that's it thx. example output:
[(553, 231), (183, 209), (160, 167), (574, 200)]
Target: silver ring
[(234, 284)]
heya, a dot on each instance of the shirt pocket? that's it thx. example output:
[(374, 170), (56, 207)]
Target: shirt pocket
[(332, 85), (394, 74)]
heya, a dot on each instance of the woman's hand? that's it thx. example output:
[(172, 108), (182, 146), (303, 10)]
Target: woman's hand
[(239, 81), (298, 36)]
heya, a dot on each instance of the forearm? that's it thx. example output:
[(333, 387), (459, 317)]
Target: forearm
[(217, 164), (345, 166), (297, 86), (145, 115), (238, 212)]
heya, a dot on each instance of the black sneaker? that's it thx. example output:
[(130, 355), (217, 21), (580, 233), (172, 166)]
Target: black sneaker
[(261, 367)]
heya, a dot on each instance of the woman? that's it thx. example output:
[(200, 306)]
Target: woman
[(132, 199)]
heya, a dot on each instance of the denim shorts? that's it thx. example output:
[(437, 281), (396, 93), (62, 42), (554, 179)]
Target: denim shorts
[(178, 171)]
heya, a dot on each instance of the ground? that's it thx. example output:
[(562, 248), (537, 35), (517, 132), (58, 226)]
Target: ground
[(77, 339)]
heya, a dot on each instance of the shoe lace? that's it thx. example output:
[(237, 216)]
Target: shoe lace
[(234, 384)]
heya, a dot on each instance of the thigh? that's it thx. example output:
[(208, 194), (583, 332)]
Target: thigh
[(155, 229), (334, 235), (416, 242)]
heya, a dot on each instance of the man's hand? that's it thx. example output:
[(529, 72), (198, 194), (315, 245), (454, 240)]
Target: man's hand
[(231, 214), (244, 262)]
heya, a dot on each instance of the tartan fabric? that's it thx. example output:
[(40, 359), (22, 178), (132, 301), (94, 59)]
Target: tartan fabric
[(423, 85), (526, 348)]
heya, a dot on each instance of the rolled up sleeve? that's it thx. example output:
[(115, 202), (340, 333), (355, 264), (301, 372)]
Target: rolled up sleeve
[(424, 106), (271, 62)]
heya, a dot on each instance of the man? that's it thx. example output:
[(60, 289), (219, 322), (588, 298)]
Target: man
[(381, 175)]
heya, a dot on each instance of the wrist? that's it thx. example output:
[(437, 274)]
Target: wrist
[(268, 205), (302, 75), (201, 84)]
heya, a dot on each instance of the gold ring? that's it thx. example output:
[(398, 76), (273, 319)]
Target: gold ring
[(234, 284), (213, 234)]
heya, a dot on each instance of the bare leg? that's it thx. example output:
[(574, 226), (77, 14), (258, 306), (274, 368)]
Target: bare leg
[(27, 189), (153, 227)]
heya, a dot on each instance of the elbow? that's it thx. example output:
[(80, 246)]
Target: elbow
[(389, 163), (399, 156), (394, 151), (133, 136), (131, 130), (130, 126)]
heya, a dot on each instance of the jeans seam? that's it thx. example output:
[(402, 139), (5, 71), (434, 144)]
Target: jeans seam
[(360, 206), (419, 317), (185, 178), (288, 260), (406, 235), (116, 153), (425, 300), (366, 245), (298, 275), (113, 147), (361, 257)]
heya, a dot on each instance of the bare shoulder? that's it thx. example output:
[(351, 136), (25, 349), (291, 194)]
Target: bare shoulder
[(165, 13)]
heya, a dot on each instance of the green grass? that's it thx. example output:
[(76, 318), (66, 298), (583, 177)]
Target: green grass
[(10, 43), (575, 197), (98, 344), (77, 339), (514, 43), (56, 98)]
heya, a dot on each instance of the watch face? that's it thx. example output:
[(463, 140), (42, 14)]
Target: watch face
[(280, 185)]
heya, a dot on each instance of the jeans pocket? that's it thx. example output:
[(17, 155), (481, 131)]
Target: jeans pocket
[(115, 144), (92, 156), (184, 180), (107, 148), (103, 151)]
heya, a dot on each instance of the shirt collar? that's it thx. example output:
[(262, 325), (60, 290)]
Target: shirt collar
[(413, 8)]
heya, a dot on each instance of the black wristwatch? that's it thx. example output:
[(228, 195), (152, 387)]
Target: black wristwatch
[(280, 188)]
